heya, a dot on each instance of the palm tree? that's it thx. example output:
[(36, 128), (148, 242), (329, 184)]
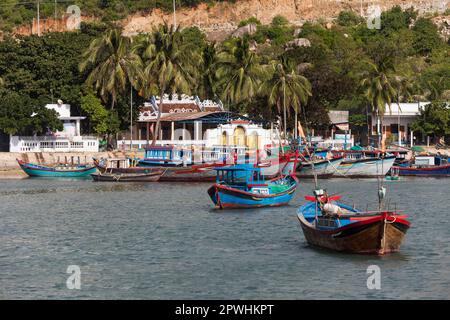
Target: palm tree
[(380, 90), (112, 65), (405, 89), (287, 87), (170, 63), (239, 72), (207, 85)]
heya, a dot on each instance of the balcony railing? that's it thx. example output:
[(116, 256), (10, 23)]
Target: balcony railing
[(53, 144)]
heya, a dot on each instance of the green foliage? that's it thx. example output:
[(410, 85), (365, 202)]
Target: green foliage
[(239, 72), (19, 115), (111, 64), (278, 33), (279, 21), (426, 36), (404, 61), (286, 86), (396, 19), (358, 121), (97, 114), (249, 21), (347, 18), (434, 120), (40, 69), (16, 12)]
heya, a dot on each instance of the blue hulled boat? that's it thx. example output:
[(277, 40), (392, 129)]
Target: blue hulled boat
[(241, 186), (425, 166), (61, 171)]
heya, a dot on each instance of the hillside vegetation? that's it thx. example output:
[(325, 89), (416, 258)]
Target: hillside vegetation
[(346, 67), (14, 13)]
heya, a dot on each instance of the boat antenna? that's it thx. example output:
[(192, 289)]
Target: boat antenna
[(316, 184), (381, 187)]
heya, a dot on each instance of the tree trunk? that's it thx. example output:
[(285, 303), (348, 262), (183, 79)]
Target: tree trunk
[(158, 119), (109, 138)]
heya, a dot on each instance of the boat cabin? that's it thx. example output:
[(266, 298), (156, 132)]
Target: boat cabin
[(429, 161), (119, 163), (243, 177), (168, 155)]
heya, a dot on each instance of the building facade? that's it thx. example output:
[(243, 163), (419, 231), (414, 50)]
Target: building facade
[(397, 122), (186, 120), (67, 140)]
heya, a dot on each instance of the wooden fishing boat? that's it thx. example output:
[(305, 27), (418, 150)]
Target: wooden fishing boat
[(365, 167), (425, 166), (333, 225), (393, 174), (126, 165), (324, 168), (59, 171), (129, 177), (195, 173), (180, 164), (432, 171), (242, 187)]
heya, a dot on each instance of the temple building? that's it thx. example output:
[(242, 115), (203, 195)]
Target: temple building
[(186, 120)]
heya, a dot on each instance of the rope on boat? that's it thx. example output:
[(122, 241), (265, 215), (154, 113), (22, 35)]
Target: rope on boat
[(390, 222), (336, 169)]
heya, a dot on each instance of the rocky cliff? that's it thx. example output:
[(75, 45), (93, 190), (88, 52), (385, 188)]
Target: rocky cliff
[(220, 19), (225, 16)]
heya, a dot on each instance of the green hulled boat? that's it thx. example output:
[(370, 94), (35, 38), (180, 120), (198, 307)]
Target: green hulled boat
[(65, 171)]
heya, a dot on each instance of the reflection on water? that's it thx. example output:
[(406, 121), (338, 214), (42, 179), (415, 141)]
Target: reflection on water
[(163, 240)]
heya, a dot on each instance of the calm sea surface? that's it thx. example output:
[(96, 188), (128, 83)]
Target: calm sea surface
[(165, 241)]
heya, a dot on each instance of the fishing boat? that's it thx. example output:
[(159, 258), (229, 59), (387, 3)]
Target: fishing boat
[(365, 167), (333, 225), (426, 166), (194, 165), (181, 156), (325, 168), (60, 170), (128, 177), (393, 174), (239, 186), (126, 165)]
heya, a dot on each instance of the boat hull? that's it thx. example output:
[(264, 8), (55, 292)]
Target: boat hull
[(436, 171), (323, 169), (229, 198), (174, 174), (365, 168), (127, 177), (372, 236), (49, 172), (137, 170)]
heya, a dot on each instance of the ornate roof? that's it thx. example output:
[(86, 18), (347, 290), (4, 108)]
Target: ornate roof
[(175, 104)]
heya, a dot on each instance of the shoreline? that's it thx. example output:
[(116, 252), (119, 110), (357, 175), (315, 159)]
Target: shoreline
[(12, 174)]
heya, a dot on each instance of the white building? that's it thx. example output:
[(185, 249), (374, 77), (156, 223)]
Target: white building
[(187, 121), (67, 140), (397, 121)]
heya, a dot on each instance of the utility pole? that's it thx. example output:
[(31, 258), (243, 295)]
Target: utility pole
[(55, 10), (174, 16), (38, 20), (284, 107), (131, 117)]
